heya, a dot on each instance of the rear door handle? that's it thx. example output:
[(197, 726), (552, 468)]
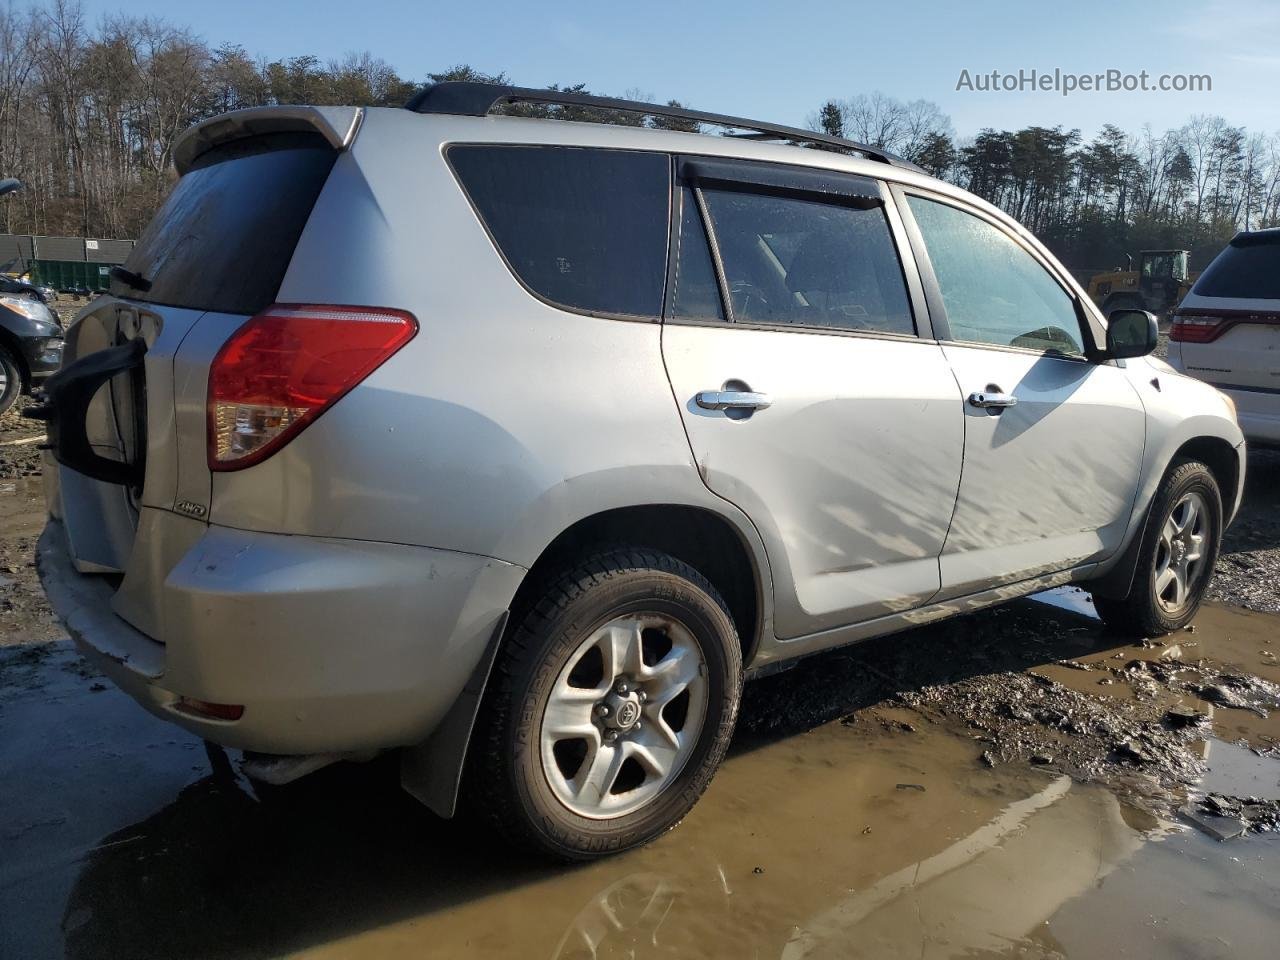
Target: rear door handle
[(987, 401), (731, 400)]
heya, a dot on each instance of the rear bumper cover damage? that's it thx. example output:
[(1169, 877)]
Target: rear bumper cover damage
[(331, 646)]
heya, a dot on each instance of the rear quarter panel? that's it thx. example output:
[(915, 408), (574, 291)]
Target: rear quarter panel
[(502, 422)]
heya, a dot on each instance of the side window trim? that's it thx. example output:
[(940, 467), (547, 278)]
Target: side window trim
[(831, 186), (717, 262), (920, 257), (933, 291), (922, 307), (675, 246)]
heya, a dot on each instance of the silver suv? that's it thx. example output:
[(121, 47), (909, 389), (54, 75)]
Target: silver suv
[(516, 444)]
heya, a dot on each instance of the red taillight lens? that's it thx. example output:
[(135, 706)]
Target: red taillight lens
[(1190, 328), (285, 367), (213, 711)]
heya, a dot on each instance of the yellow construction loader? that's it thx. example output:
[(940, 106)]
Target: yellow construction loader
[(1158, 284)]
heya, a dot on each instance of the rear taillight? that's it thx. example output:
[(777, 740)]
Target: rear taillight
[(212, 711), (1193, 328), (285, 367)]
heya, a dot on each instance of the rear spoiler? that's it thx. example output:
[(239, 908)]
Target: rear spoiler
[(338, 125)]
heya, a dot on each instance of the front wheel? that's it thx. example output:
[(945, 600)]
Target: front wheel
[(1179, 549), (609, 708)]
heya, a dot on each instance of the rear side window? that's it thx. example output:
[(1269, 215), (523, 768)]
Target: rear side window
[(1248, 269), (794, 261), (585, 229), (224, 238)]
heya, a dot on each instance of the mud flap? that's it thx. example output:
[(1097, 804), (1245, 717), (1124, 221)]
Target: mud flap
[(1117, 581), (432, 770)]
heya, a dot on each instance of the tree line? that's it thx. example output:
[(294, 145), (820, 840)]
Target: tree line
[(1091, 202), (90, 113)]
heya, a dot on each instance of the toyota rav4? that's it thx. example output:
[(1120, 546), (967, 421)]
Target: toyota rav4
[(516, 444)]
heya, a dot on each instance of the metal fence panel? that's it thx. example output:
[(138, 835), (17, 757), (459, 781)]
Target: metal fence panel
[(59, 248), (107, 251), (15, 246)]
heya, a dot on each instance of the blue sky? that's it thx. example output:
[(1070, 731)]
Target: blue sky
[(779, 61)]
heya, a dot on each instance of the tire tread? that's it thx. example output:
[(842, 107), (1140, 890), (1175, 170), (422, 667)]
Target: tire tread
[(1137, 614), (488, 778)]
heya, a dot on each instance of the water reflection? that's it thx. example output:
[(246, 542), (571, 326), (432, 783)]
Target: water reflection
[(806, 850)]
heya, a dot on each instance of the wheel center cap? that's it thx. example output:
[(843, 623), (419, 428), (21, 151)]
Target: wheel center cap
[(624, 711), (1179, 551)]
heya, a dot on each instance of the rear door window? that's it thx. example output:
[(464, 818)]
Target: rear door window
[(1249, 268), (794, 261), (224, 238), (582, 228)]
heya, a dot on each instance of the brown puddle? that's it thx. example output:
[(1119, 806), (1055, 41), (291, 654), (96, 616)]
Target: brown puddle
[(1225, 640), (844, 824), (792, 858)]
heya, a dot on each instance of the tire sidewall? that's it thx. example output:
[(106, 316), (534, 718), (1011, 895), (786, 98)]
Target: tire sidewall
[(1198, 480), (636, 591)]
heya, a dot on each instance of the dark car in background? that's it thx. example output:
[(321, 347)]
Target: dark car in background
[(17, 287), (30, 346)]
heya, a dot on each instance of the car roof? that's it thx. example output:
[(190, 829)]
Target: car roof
[(1249, 238), (475, 99)]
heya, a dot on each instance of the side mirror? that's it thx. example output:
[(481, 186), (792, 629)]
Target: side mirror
[(1131, 333)]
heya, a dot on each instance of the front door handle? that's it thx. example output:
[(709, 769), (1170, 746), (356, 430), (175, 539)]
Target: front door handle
[(731, 400), (989, 401)]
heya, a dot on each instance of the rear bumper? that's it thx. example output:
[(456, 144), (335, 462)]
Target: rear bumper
[(331, 646), (1259, 414)]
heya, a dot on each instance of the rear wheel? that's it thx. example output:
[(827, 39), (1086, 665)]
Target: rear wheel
[(1179, 548), (10, 380), (610, 707)]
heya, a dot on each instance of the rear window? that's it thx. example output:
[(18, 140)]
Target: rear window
[(224, 238), (1250, 269), (585, 229)]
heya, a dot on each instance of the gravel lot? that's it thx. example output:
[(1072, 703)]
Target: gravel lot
[(1248, 572)]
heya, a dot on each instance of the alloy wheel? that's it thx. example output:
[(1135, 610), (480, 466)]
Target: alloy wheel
[(624, 715), (1180, 552)]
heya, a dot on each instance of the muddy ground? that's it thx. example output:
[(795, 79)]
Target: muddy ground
[(1017, 782)]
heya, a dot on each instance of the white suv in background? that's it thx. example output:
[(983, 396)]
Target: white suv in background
[(1227, 331)]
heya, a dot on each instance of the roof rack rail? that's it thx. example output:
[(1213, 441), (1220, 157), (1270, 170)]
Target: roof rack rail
[(468, 98)]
